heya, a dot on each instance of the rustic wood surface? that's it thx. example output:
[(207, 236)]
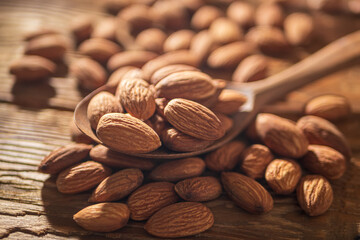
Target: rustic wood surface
[(34, 119)]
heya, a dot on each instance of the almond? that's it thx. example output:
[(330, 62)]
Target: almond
[(32, 68), (255, 159), (116, 77), (111, 158), (171, 15), (118, 185), (176, 170), (224, 30), (150, 198), (181, 142), (137, 15), (252, 68), (225, 157), (127, 134), (32, 34), (199, 189), (133, 73), (226, 122), (103, 217), (129, 58), (105, 29), (193, 119), (229, 102), (137, 97), (283, 175), (167, 70), (178, 40), (99, 105), (99, 49), (247, 193), (90, 74), (210, 101), (269, 14), (81, 27), (192, 85), (325, 161), (242, 13), (64, 157), (281, 135), (204, 16), (299, 28), (151, 39), (180, 220), (81, 177), (202, 44), (322, 132), (314, 194), (230, 55), (330, 107), (51, 46)]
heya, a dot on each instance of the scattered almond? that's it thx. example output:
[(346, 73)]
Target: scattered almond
[(99, 49), (255, 159), (81, 27), (51, 46), (242, 13), (252, 68), (204, 16), (90, 74), (130, 58), (269, 14), (151, 39), (299, 28), (179, 40), (224, 30)]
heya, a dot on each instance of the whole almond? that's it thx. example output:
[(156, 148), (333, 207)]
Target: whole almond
[(81, 28), (105, 28), (269, 14), (210, 101), (298, 28), (103, 217), (175, 140), (51, 46), (199, 189), (167, 70), (151, 39), (330, 107), (130, 58), (116, 77), (32, 34), (247, 193), (118, 185), (224, 30), (242, 13), (325, 161), (202, 45), (226, 122), (171, 15), (230, 55), (229, 102), (251, 69), (281, 135), (176, 170), (180, 220), (111, 158), (137, 15), (99, 105), (150, 198), (226, 157), (319, 131), (314, 194), (32, 68), (255, 159), (179, 40), (127, 134), (89, 73), (283, 175), (99, 49), (64, 157), (137, 97), (192, 85), (133, 73), (81, 177), (204, 16), (194, 119)]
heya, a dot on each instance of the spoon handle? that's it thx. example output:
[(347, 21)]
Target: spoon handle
[(312, 67)]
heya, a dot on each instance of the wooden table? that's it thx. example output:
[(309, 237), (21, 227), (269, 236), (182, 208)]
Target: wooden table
[(34, 119)]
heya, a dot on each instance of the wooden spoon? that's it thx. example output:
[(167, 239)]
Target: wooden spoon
[(259, 93)]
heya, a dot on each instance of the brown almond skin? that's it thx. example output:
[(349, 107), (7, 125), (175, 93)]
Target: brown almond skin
[(180, 220), (226, 157), (81, 177), (325, 161), (229, 102), (299, 28), (172, 15), (64, 157), (99, 105), (227, 122), (242, 13), (137, 16), (127, 134), (175, 140), (170, 69), (51, 46), (252, 68), (255, 159), (204, 16), (269, 14), (130, 58), (81, 27), (281, 135), (176, 170), (150, 198), (32, 68), (179, 40), (151, 39), (202, 45), (105, 28), (116, 77), (118, 185), (210, 101), (319, 131), (99, 49), (199, 189), (38, 33), (223, 31), (111, 158), (283, 175), (247, 193), (314, 194), (194, 119), (103, 217)]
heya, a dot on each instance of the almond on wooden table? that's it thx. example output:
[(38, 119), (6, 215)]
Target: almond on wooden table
[(204, 16), (133, 58), (223, 31), (179, 40), (242, 13), (89, 73), (51, 46), (118, 185), (99, 49), (151, 39), (103, 217), (229, 102), (255, 159), (299, 28), (150, 198), (251, 69), (180, 220)]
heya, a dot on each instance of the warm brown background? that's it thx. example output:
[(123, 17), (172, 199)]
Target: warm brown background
[(34, 119)]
